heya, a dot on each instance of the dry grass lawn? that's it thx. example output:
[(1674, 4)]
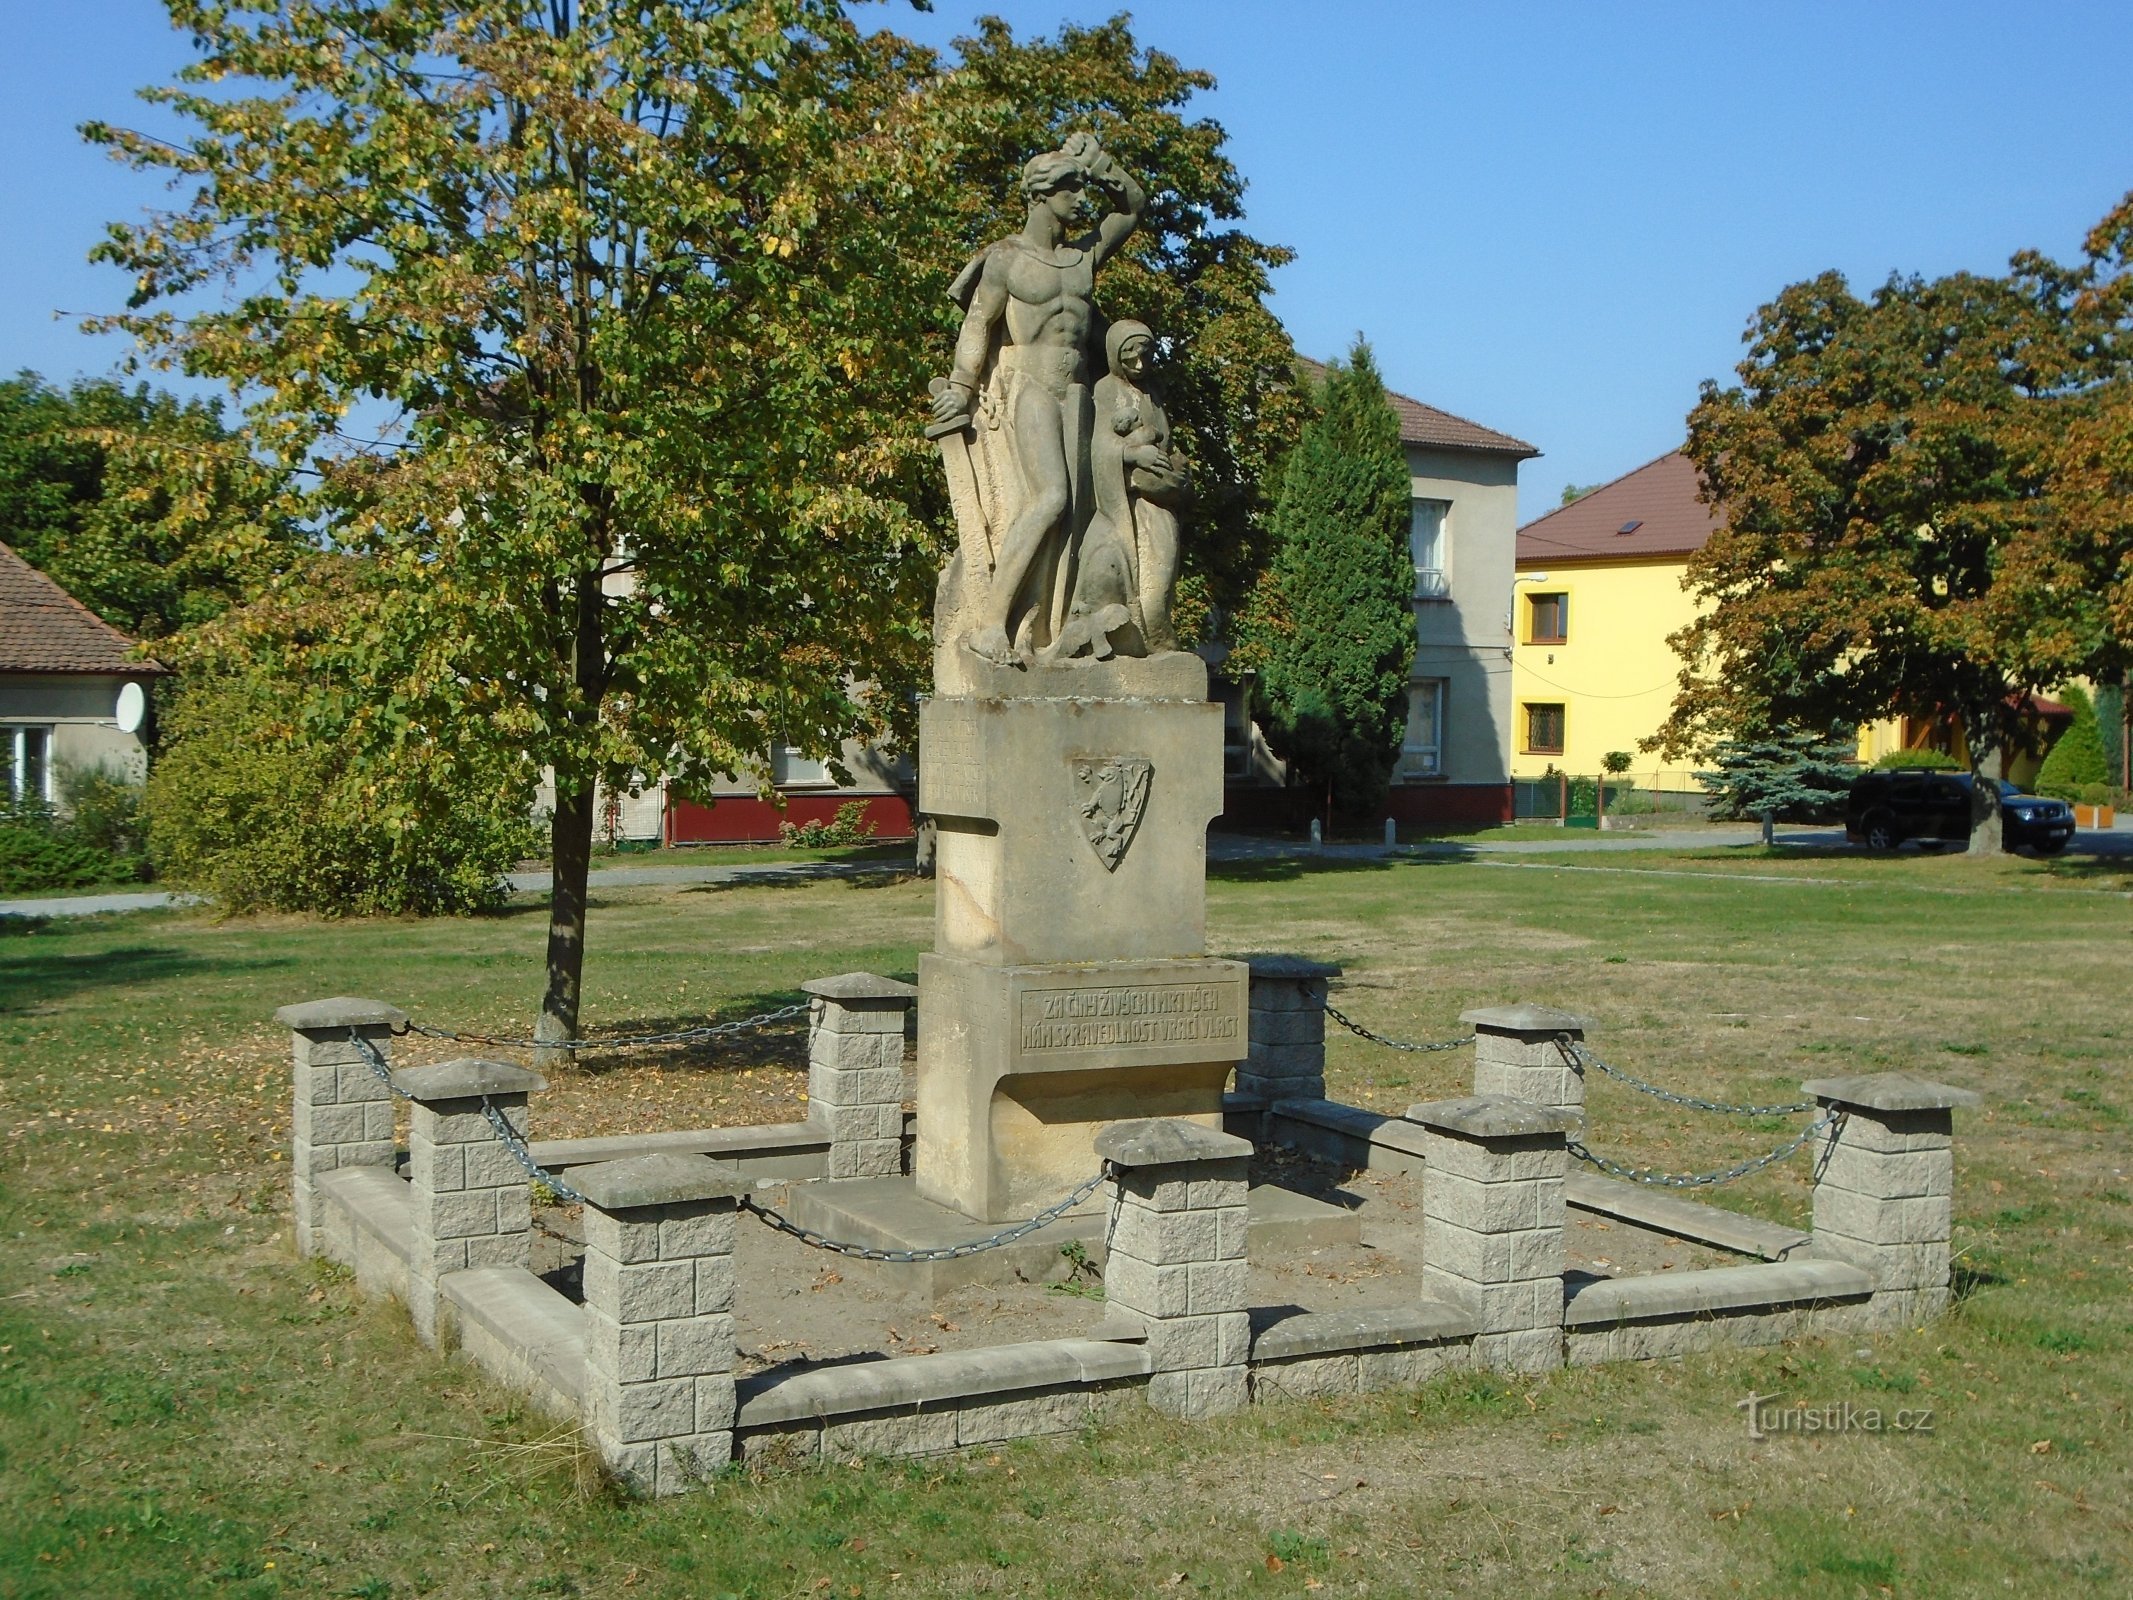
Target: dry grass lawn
[(187, 1409)]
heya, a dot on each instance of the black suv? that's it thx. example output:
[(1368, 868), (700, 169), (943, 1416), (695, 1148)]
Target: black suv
[(1886, 808)]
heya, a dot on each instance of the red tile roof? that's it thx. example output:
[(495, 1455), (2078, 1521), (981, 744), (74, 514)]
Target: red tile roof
[(1422, 424), (1659, 497), (45, 629)]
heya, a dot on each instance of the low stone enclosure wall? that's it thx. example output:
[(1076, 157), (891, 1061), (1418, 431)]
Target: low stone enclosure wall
[(646, 1363)]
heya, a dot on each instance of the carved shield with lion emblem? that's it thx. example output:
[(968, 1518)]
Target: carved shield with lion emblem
[(1111, 795)]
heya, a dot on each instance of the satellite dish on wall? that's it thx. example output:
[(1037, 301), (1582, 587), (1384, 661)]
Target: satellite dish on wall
[(132, 708)]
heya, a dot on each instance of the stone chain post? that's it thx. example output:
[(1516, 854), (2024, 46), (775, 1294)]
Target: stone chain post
[(1176, 1258), (1492, 1222), (1516, 1056), (471, 1206), (855, 1071), (659, 1400), (1884, 1180), (344, 1115), (1288, 1029)]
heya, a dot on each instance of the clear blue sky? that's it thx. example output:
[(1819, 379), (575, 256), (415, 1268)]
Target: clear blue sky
[(1552, 218)]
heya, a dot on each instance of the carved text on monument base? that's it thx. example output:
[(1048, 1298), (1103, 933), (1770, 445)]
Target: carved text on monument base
[(1101, 1018)]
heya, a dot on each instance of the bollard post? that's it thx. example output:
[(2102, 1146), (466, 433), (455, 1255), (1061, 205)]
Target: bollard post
[(1516, 1056), (1287, 1059), (1492, 1222), (471, 1204), (343, 1114), (855, 1070), (1176, 1258), (1884, 1178), (659, 1400)]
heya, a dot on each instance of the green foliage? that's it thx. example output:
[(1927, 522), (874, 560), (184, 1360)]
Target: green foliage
[(143, 507), (103, 811), (37, 858), (1918, 761), (849, 826), (257, 801), (2076, 761), (1331, 629), (2111, 729), (647, 297), (1905, 524), (92, 839), (1796, 776), (1616, 761)]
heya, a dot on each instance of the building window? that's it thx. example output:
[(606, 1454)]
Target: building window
[(790, 768), (1550, 619), (1544, 729), (1425, 542), (27, 755), (1422, 751)]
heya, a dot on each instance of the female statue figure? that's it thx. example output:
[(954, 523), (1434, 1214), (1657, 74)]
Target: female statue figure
[(1128, 561)]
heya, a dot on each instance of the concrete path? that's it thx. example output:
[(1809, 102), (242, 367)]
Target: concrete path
[(2103, 842)]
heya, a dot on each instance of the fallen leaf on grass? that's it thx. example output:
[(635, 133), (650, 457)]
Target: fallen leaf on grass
[(2043, 1447), (1274, 1563)]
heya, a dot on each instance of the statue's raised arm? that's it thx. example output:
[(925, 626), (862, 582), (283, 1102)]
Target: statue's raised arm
[(1129, 199)]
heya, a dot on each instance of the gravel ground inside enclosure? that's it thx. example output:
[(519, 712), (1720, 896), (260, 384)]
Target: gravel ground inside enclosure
[(798, 1306)]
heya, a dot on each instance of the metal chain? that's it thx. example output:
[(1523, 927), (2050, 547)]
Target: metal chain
[(498, 1122), (946, 1252), (1362, 1032), (1580, 1058), (635, 1041), (1700, 1180), (524, 1157)]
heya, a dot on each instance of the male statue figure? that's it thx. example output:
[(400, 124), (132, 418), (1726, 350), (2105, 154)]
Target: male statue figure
[(1028, 312)]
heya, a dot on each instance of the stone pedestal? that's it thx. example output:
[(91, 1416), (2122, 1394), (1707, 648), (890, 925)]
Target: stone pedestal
[(1177, 1260), (1492, 1223), (1518, 1055), (471, 1204), (1069, 986), (343, 1111), (855, 1070), (1885, 1187), (659, 1400), (1288, 1030)]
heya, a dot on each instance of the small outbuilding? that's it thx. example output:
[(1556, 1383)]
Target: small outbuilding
[(74, 692)]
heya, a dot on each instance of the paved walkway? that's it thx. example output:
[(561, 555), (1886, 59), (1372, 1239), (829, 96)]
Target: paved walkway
[(2115, 843)]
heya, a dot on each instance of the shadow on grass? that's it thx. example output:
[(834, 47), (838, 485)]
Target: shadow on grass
[(1287, 869), (29, 979)]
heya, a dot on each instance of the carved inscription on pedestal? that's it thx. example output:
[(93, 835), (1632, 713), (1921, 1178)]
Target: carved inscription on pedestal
[(1127, 1023)]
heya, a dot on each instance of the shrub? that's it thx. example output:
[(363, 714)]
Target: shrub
[(262, 806), (850, 826), (2096, 794), (1918, 761), (2076, 759), (36, 857), (1616, 762), (103, 811)]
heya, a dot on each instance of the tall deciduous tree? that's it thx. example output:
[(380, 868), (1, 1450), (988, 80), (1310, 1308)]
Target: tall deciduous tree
[(142, 506), (1331, 630), (633, 307), (1874, 469), (1928, 505)]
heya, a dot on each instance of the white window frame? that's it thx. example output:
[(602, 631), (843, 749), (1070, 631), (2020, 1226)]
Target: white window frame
[(1424, 760), (790, 768), (17, 737), (1433, 577)]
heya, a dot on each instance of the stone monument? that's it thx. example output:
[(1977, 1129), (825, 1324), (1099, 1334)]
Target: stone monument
[(1070, 757)]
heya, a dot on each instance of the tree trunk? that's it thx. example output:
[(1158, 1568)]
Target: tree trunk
[(570, 832), (1985, 837)]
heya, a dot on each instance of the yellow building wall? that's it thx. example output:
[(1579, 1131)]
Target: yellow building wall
[(1614, 674)]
